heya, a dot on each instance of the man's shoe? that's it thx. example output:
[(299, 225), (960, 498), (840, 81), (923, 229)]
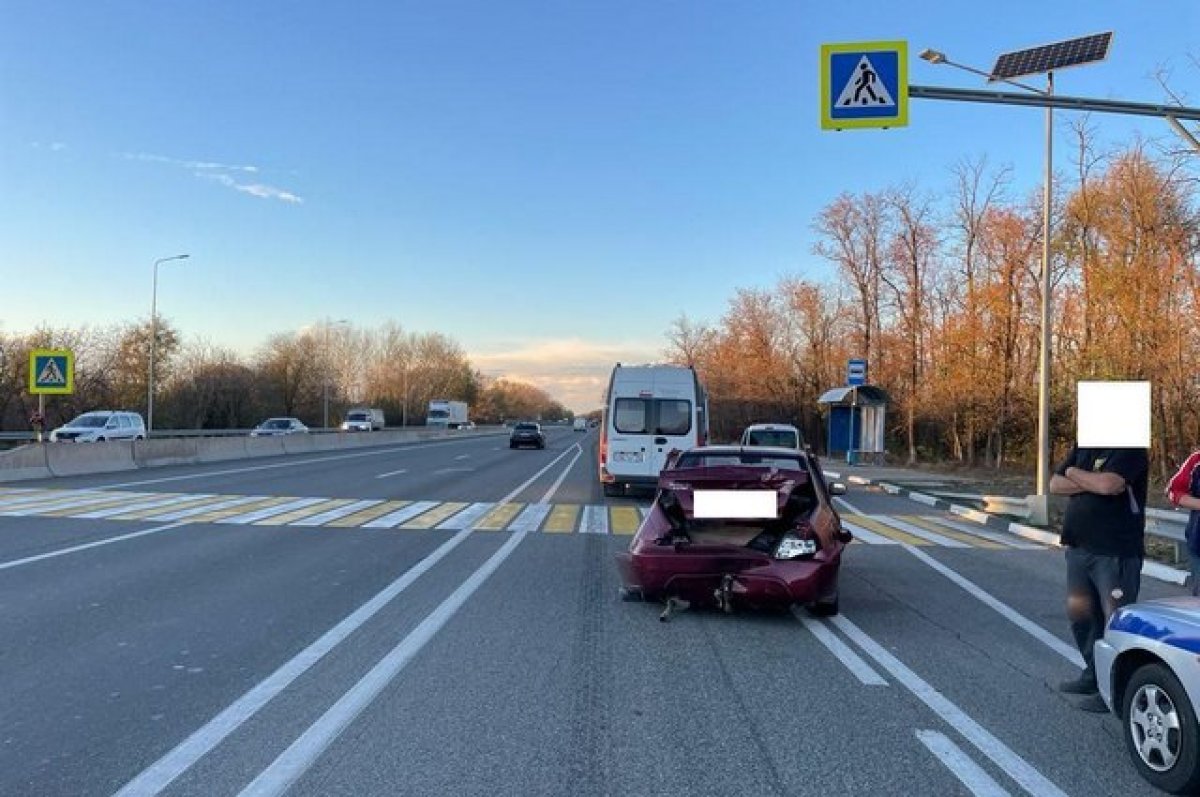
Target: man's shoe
[(1079, 686), (1093, 704)]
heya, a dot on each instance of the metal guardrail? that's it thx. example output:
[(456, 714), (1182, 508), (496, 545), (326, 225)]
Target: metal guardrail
[(28, 437)]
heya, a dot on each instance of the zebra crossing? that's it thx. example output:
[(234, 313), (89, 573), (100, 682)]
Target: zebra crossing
[(401, 515)]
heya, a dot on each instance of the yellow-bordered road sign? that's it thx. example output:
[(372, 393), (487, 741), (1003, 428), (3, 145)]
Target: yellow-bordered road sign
[(51, 371), (864, 84)]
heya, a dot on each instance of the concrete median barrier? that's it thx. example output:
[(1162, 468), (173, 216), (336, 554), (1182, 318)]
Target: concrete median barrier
[(157, 453), (299, 443), (221, 449), (265, 446), (78, 459), (26, 462)]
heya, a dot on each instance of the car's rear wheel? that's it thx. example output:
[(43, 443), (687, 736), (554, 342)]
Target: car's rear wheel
[(1160, 730)]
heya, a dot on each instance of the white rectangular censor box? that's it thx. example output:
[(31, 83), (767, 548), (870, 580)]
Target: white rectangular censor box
[(747, 504), (1113, 415)]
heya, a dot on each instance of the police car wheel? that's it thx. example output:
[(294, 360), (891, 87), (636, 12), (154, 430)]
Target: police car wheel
[(1160, 730)]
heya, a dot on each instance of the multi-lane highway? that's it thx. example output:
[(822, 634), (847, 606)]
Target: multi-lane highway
[(442, 618)]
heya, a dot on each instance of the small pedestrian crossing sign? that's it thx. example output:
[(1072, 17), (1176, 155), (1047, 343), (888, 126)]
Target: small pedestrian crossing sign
[(864, 84), (51, 371)]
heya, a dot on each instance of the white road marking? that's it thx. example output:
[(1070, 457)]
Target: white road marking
[(272, 511), (848, 505), (970, 774), (337, 512), (203, 510), (531, 518), (1068, 652), (1013, 765), (392, 473), (162, 772), (866, 535), (277, 465), (595, 520), (1003, 539), (463, 456), (444, 471), (466, 518), (303, 753), (854, 663), (521, 487), (76, 548), (46, 505), (402, 514), (133, 506), (558, 482), (917, 531)]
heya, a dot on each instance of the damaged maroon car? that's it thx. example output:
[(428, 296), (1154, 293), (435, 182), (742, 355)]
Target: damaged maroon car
[(735, 527)]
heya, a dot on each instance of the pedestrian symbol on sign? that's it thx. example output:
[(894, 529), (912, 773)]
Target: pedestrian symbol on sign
[(864, 87), (51, 374)]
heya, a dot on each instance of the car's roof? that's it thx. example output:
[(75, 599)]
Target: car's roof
[(757, 451), (771, 427)]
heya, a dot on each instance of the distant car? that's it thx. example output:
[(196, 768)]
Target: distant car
[(527, 434), (272, 427), (99, 425), (363, 420), (735, 527), (773, 434), (467, 427), (581, 425), (1148, 671)]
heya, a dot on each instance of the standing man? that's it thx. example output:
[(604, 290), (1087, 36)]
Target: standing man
[(1104, 534)]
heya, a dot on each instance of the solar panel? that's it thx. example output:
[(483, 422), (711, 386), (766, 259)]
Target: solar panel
[(1048, 57)]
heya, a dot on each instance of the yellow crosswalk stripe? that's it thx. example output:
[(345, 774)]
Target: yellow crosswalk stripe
[(116, 500), (563, 518), (961, 536), (624, 519), (880, 528), (428, 520), (184, 502), (368, 514), (240, 509), (303, 512), (499, 518)]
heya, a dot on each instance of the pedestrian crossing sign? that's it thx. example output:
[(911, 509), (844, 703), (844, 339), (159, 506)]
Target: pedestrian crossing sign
[(51, 371), (864, 84)]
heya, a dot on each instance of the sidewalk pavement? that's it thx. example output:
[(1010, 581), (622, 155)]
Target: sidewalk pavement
[(917, 485)]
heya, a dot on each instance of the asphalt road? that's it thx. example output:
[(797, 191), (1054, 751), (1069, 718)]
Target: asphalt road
[(243, 628)]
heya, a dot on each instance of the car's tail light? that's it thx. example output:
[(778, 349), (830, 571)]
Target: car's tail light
[(797, 543)]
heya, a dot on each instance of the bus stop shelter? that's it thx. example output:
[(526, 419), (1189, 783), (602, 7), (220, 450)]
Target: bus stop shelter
[(856, 422)]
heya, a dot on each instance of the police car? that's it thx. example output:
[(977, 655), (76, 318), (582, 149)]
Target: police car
[(1148, 669)]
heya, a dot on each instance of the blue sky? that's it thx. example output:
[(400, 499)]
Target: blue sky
[(550, 183)]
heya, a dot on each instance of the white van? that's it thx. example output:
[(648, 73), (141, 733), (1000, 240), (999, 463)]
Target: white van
[(363, 419), (100, 425), (783, 435), (650, 410)]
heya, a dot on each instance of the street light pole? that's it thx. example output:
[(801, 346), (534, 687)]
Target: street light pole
[(325, 415), (154, 341), (1043, 452)]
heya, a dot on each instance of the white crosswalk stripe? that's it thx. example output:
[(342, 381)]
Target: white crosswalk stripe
[(272, 511), (595, 520), (338, 512), (97, 504), (466, 518), (531, 518), (917, 531), (393, 519)]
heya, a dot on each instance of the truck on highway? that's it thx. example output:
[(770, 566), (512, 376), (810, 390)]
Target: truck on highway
[(447, 414), (363, 419)]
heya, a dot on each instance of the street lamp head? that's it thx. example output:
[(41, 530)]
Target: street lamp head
[(933, 56)]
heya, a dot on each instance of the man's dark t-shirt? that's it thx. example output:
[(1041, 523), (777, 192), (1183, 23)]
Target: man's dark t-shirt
[(1108, 525)]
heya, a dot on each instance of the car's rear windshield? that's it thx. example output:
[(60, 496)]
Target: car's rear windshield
[(783, 438), (694, 459), (527, 427), (357, 416), (652, 416), (276, 423)]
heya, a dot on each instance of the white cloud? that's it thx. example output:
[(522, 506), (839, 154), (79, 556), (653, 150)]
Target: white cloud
[(574, 372), (222, 173)]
